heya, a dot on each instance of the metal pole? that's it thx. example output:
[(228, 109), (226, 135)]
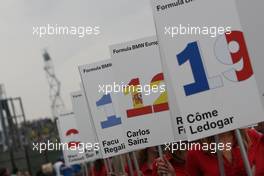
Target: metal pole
[(220, 158), (4, 125), (11, 154), (106, 166), (136, 163), (161, 155), (14, 115), (9, 118), (27, 159), (243, 153), (13, 109), (122, 164), (92, 169), (85, 169), (22, 109), (160, 151), (10, 147), (109, 165), (26, 141), (129, 163)]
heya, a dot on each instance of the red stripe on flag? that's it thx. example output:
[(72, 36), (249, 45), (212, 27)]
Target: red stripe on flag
[(139, 111), (161, 107)]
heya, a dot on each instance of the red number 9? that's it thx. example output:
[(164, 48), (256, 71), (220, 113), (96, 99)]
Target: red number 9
[(231, 49)]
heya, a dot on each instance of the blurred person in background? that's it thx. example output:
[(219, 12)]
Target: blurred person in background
[(4, 172), (260, 127), (15, 172), (146, 158), (46, 170), (77, 169), (73, 170), (258, 161), (39, 173), (98, 168), (57, 165), (19, 173), (170, 164), (205, 163), (66, 171), (26, 173)]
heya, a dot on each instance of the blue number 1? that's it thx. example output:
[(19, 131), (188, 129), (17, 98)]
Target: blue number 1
[(192, 53), (112, 120)]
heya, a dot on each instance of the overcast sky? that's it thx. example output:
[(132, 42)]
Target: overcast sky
[(21, 62)]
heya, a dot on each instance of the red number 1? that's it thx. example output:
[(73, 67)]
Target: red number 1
[(160, 104)]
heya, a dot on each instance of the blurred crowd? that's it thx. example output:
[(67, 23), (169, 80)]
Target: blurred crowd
[(16, 172), (180, 162), (202, 162)]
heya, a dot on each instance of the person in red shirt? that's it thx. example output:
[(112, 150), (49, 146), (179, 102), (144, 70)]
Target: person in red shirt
[(4, 172), (260, 127), (204, 163), (145, 159), (259, 156), (98, 168), (170, 164)]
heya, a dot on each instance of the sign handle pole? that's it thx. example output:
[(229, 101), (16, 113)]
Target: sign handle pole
[(129, 163), (92, 169), (122, 164), (136, 163), (106, 166), (109, 166), (85, 170), (243, 152), (160, 151), (161, 155), (220, 158), (82, 169)]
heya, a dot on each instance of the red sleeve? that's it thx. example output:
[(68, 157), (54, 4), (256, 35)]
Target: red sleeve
[(154, 168), (259, 160), (102, 171), (192, 164), (254, 135), (127, 170)]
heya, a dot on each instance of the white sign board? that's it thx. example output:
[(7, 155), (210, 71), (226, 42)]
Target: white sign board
[(253, 28), (179, 128), (70, 137), (103, 107), (141, 93), (85, 124), (212, 75)]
